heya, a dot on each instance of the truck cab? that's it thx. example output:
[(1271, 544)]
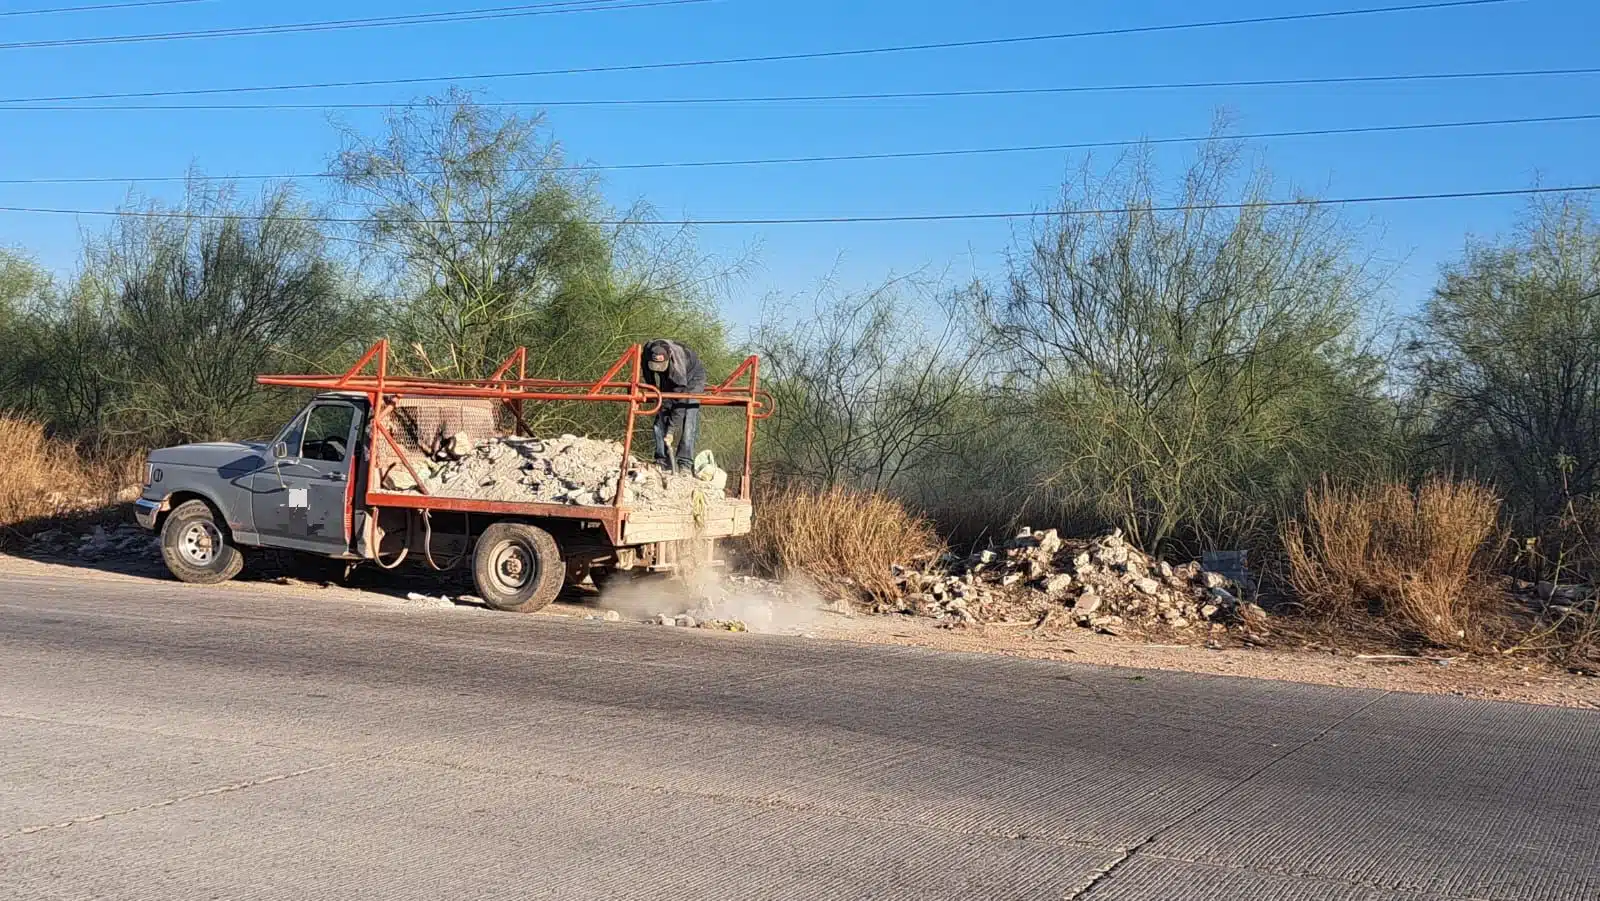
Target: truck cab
[(293, 492)]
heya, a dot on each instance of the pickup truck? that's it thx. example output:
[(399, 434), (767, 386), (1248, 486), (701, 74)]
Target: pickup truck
[(315, 489)]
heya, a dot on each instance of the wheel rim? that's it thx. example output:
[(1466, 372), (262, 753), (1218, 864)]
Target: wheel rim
[(513, 567), (200, 543)]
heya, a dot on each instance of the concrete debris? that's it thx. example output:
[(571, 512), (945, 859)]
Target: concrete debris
[(418, 599), (124, 540), (1103, 584), (564, 470)]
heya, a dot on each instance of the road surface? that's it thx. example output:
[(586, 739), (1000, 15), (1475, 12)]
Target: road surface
[(162, 741)]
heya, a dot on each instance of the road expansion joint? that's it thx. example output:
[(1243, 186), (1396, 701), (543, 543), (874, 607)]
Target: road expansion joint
[(767, 803), (1109, 870), (179, 799)]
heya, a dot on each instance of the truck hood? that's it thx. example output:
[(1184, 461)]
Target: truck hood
[(226, 457)]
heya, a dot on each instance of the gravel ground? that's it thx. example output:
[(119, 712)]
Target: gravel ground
[(1525, 681)]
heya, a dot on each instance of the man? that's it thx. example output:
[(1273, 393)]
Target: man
[(675, 369)]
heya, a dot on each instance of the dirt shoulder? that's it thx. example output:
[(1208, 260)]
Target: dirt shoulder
[(1527, 682), (1519, 681)]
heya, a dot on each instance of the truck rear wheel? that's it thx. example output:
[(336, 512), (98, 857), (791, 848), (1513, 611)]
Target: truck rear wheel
[(517, 567), (195, 548)]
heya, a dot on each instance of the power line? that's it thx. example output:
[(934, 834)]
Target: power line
[(23, 105), (94, 8), (785, 57), (859, 157), (843, 220), (553, 7)]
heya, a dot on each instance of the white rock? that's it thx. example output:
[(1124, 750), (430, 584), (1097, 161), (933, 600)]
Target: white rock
[(1049, 541), (612, 616), (1148, 586)]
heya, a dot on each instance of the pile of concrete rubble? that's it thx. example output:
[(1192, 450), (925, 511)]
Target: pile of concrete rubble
[(564, 470), (1102, 584), (96, 544)]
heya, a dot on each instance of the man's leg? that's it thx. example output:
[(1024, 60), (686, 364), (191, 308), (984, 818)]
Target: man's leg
[(690, 414), (663, 428)]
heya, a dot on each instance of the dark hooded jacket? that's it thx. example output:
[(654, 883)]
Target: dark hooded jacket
[(685, 374)]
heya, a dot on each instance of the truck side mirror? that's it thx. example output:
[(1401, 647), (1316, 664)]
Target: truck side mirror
[(280, 450)]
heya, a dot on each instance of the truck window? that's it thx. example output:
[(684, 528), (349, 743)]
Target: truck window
[(327, 431)]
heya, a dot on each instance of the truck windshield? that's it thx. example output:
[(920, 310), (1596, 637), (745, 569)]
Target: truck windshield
[(327, 431)]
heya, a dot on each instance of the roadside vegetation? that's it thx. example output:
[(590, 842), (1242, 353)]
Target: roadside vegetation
[(1169, 355)]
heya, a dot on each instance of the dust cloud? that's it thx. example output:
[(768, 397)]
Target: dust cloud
[(713, 599)]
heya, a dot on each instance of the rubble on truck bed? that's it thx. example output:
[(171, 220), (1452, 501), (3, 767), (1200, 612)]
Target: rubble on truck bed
[(1102, 584), (564, 470)]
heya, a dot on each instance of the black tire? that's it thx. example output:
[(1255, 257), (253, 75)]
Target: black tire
[(196, 548), (517, 567)]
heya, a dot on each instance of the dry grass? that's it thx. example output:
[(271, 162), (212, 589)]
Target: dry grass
[(1408, 558), (42, 478), (844, 540)]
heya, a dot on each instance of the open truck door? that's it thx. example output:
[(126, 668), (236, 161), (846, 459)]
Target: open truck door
[(301, 497)]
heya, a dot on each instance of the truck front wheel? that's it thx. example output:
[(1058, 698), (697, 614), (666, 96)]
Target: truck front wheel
[(195, 548), (517, 567)]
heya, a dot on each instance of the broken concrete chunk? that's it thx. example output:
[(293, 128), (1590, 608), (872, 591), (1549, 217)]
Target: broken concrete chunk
[(1049, 542), (1221, 596), (398, 479), (1057, 584)]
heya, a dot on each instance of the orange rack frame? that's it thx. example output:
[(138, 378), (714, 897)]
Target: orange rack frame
[(509, 384)]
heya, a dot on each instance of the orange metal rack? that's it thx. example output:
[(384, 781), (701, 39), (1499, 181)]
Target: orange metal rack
[(741, 389)]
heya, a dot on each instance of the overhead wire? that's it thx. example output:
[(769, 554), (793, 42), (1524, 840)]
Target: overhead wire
[(24, 105), (550, 7), (96, 7), (859, 219), (855, 157), (786, 57)]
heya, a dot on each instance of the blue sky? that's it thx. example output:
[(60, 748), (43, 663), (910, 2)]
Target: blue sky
[(793, 259)]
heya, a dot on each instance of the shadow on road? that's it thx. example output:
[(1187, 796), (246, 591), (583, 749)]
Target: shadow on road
[(108, 540)]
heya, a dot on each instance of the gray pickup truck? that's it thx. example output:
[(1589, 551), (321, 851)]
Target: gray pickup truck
[(313, 491)]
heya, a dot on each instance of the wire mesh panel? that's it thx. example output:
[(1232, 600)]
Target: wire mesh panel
[(423, 426)]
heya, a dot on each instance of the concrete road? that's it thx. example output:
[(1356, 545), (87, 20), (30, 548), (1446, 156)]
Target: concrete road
[(161, 741)]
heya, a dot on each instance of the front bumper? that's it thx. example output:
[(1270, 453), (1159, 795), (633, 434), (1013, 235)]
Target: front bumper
[(146, 511)]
